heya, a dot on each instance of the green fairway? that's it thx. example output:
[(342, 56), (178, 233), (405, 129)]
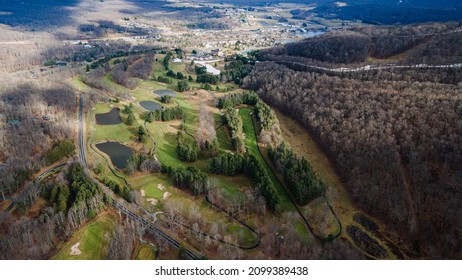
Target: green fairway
[(145, 252), (93, 238), (251, 143), (149, 184), (164, 134), (223, 134), (191, 112)]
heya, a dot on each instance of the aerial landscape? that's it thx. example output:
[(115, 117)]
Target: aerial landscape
[(230, 130)]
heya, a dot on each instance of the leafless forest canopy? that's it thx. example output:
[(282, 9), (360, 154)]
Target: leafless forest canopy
[(394, 135), (436, 43), (35, 115)]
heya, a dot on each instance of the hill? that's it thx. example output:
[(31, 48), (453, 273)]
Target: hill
[(392, 133), (420, 43)]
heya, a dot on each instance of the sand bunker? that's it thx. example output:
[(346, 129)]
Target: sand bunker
[(161, 187), (153, 201), (143, 193), (166, 195), (75, 251)]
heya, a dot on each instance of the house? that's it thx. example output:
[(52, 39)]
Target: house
[(217, 52), (176, 60)]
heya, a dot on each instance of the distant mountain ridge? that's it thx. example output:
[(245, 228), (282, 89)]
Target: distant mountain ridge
[(392, 11)]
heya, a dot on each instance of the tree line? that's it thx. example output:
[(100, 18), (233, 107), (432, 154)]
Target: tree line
[(142, 163), (232, 118), (165, 114), (64, 149), (298, 174), (77, 190), (186, 150), (190, 178)]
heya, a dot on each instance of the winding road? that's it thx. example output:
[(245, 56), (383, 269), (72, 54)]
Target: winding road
[(368, 67), (23, 192)]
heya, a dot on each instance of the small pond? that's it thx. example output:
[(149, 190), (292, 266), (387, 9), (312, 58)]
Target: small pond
[(150, 105), (111, 117), (163, 92), (118, 153)]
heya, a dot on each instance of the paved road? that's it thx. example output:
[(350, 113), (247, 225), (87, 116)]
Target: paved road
[(36, 185), (370, 67), (81, 140)]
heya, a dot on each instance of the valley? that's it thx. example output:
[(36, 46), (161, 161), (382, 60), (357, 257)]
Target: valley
[(164, 130)]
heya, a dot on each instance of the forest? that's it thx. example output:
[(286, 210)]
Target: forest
[(433, 43), (395, 142)]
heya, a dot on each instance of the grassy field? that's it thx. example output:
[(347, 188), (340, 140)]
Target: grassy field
[(149, 184), (224, 139), (251, 143), (93, 238), (233, 186), (144, 252), (165, 136), (79, 85)]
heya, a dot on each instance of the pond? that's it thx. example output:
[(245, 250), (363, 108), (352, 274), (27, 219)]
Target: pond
[(163, 92), (150, 105), (118, 153), (111, 117)]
